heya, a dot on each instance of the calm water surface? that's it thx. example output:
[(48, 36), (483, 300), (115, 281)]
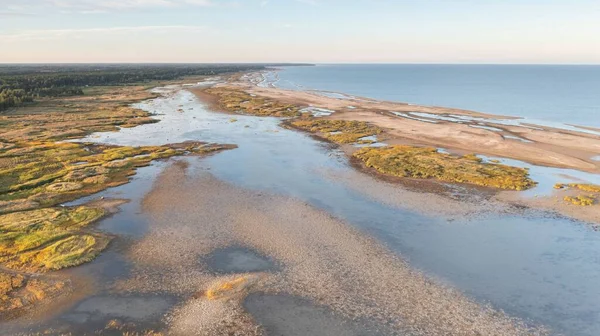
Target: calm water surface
[(540, 93), (533, 265)]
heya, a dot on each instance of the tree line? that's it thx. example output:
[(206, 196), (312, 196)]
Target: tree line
[(24, 84)]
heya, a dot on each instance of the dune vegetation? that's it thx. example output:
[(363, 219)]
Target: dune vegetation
[(581, 200), (39, 170), (424, 163), (49, 239), (338, 131), (42, 174), (399, 161), (242, 102), (581, 186)]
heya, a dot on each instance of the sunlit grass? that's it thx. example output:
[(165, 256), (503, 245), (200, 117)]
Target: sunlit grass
[(424, 163), (239, 101), (338, 131), (581, 200), (47, 239)]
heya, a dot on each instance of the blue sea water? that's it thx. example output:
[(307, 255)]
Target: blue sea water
[(553, 94)]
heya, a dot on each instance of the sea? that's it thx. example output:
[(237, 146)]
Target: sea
[(551, 95)]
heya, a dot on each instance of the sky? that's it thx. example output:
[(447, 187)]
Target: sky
[(314, 31)]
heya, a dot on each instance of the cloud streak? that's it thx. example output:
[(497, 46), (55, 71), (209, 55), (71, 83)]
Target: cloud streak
[(98, 6), (30, 35)]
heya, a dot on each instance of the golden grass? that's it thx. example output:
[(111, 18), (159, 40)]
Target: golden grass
[(101, 109), (338, 131), (242, 102), (41, 174), (36, 173), (581, 200), (581, 186), (419, 162), (48, 239), (226, 288)]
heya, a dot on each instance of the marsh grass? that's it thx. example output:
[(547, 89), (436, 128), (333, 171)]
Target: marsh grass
[(239, 101), (37, 172), (230, 287), (50, 238), (581, 186), (41, 174), (581, 200), (424, 163), (338, 131)]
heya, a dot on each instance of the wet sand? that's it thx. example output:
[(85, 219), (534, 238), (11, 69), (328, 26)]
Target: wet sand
[(324, 262)]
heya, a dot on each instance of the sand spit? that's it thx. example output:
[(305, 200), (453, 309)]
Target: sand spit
[(458, 132), (541, 145), (320, 260)]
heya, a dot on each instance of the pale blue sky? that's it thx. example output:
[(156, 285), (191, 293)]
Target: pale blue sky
[(350, 31)]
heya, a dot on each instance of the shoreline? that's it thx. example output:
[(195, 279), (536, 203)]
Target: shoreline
[(546, 151), (549, 146)]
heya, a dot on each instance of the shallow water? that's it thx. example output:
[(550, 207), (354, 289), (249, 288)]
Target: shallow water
[(533, 265), (235, 259), (557, 95)]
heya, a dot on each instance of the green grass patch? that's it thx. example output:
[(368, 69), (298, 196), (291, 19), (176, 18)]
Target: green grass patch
[(338, 131), (580, 200), (49, 238), (424, 163), (242, 102), (581, 186)]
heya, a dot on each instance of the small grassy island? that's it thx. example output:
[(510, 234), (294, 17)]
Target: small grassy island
[(580, 200), (422, 162), (338, 131)]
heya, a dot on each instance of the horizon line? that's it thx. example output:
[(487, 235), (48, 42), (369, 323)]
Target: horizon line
[(287, 63)]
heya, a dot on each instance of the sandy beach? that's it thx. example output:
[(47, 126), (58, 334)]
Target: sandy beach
[(545, 146)]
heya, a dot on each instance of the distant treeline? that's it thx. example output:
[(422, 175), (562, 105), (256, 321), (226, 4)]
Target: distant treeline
[(21, 84)]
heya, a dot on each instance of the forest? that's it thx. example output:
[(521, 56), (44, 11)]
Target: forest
[(21, 84)]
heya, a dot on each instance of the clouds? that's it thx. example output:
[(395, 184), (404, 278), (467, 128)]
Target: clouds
[(97, 6), (22, 8), (54, 34)]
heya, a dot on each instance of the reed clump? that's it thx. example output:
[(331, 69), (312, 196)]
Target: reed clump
[(424, 163)]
